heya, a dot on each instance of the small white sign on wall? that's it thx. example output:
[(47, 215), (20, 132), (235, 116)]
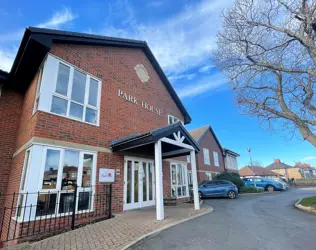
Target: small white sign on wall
[(106, 175)]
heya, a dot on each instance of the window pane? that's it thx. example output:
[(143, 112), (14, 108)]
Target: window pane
[(93, 92), (27, 157), (129, 182), (150, 180), (62, 79), (51, 169), (173, 175), (144, 181), (59, 106), (66, 202), (91, 116), (76, 110), (84, 201), (136, 169), (180, 181), (46, 204), (70, 170), (78, 87), (87, 170)]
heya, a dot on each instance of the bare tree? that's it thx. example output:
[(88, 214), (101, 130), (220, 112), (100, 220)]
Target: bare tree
[(267, 49), (255, 163)]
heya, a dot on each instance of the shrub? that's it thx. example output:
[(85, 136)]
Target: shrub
[(232, 177), (251, 189)]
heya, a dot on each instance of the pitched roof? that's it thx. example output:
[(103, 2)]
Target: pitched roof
[(256, 170), (278, 165), (36, 43), (199, 133)]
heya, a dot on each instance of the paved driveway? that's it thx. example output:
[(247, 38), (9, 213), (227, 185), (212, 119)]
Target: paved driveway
[(266, 221)]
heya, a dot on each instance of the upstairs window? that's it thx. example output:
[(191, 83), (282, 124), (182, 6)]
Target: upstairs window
[(206, 154), (172, 119), (76, 95), (67, 91), (216, 161)]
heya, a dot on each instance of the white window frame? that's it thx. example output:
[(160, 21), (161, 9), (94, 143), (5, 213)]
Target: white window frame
[(38, 88), (173, 119), (208, 176), (206, 156), (48, 89), (216, 159), (58, 189), (190, 182), (184, 179), (188, 159), (38, 178)]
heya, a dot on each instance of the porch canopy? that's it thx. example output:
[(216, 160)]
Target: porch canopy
[(162, 143)]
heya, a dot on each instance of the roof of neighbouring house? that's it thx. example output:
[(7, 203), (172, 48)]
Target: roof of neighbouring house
[(199, 133), (36, 43), (3, 76), (257, 171), (278, 165), (228, 151)]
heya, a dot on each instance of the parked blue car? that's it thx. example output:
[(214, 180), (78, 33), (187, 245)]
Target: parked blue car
[(218, 188), (267, 184)]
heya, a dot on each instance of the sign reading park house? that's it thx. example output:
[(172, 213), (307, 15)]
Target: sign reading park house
[(138, 102)]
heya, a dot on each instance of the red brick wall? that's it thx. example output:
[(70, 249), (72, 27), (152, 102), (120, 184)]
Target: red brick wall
[(113, 161), (166, 178), (27, 119), (209, 142), (117, 117), (10, 109)]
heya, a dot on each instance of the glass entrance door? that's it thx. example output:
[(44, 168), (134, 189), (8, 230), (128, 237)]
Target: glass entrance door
[(139, 188)]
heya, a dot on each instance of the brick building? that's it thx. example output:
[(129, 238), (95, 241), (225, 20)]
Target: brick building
[(76, 108), (213, 158)]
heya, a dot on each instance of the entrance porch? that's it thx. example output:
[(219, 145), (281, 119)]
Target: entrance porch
[(143, 166)]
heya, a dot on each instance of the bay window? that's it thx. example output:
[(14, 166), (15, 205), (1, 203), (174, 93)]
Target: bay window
[(66, 90), (179, 184), (51, 186)]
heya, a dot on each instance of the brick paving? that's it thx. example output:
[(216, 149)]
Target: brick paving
[(116, 233)]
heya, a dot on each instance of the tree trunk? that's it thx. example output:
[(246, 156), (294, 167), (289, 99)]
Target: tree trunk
[(308, 135)]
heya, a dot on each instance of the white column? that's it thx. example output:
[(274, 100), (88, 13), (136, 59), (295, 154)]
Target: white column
[(195, 181), (159, 184)]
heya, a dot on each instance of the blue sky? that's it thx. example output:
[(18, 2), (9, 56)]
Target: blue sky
[(181, 34)]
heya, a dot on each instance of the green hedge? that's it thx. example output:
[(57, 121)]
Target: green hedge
[(250, 189), (232, 177)]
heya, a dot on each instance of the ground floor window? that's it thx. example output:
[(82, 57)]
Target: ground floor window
[(179, 184), (190, 178), (54, 175), (208, 176)]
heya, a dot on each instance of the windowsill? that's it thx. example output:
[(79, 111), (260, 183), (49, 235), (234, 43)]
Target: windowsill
[(181, 197), (96, 125)]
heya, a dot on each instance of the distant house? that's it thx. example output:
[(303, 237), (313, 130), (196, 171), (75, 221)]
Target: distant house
[(302, 170), (212, 159), (258, 171), (230, 160), (280, 168)]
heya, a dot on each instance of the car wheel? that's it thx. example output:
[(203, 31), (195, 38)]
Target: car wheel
[(231, 194), (270, 188), (200, 195)]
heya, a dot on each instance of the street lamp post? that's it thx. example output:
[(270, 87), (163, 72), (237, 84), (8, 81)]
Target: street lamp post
[(253, 173)]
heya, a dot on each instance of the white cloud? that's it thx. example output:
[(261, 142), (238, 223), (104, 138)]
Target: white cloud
[(155, 3), (6, 59), (206, 68), (308, 158), (180, 42), (182, 76), (58, 18), (203, 85)]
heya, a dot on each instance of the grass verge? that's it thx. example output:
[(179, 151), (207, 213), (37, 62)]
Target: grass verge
[(308, 201)]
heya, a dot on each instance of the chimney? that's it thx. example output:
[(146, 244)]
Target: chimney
[(277, 161)]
